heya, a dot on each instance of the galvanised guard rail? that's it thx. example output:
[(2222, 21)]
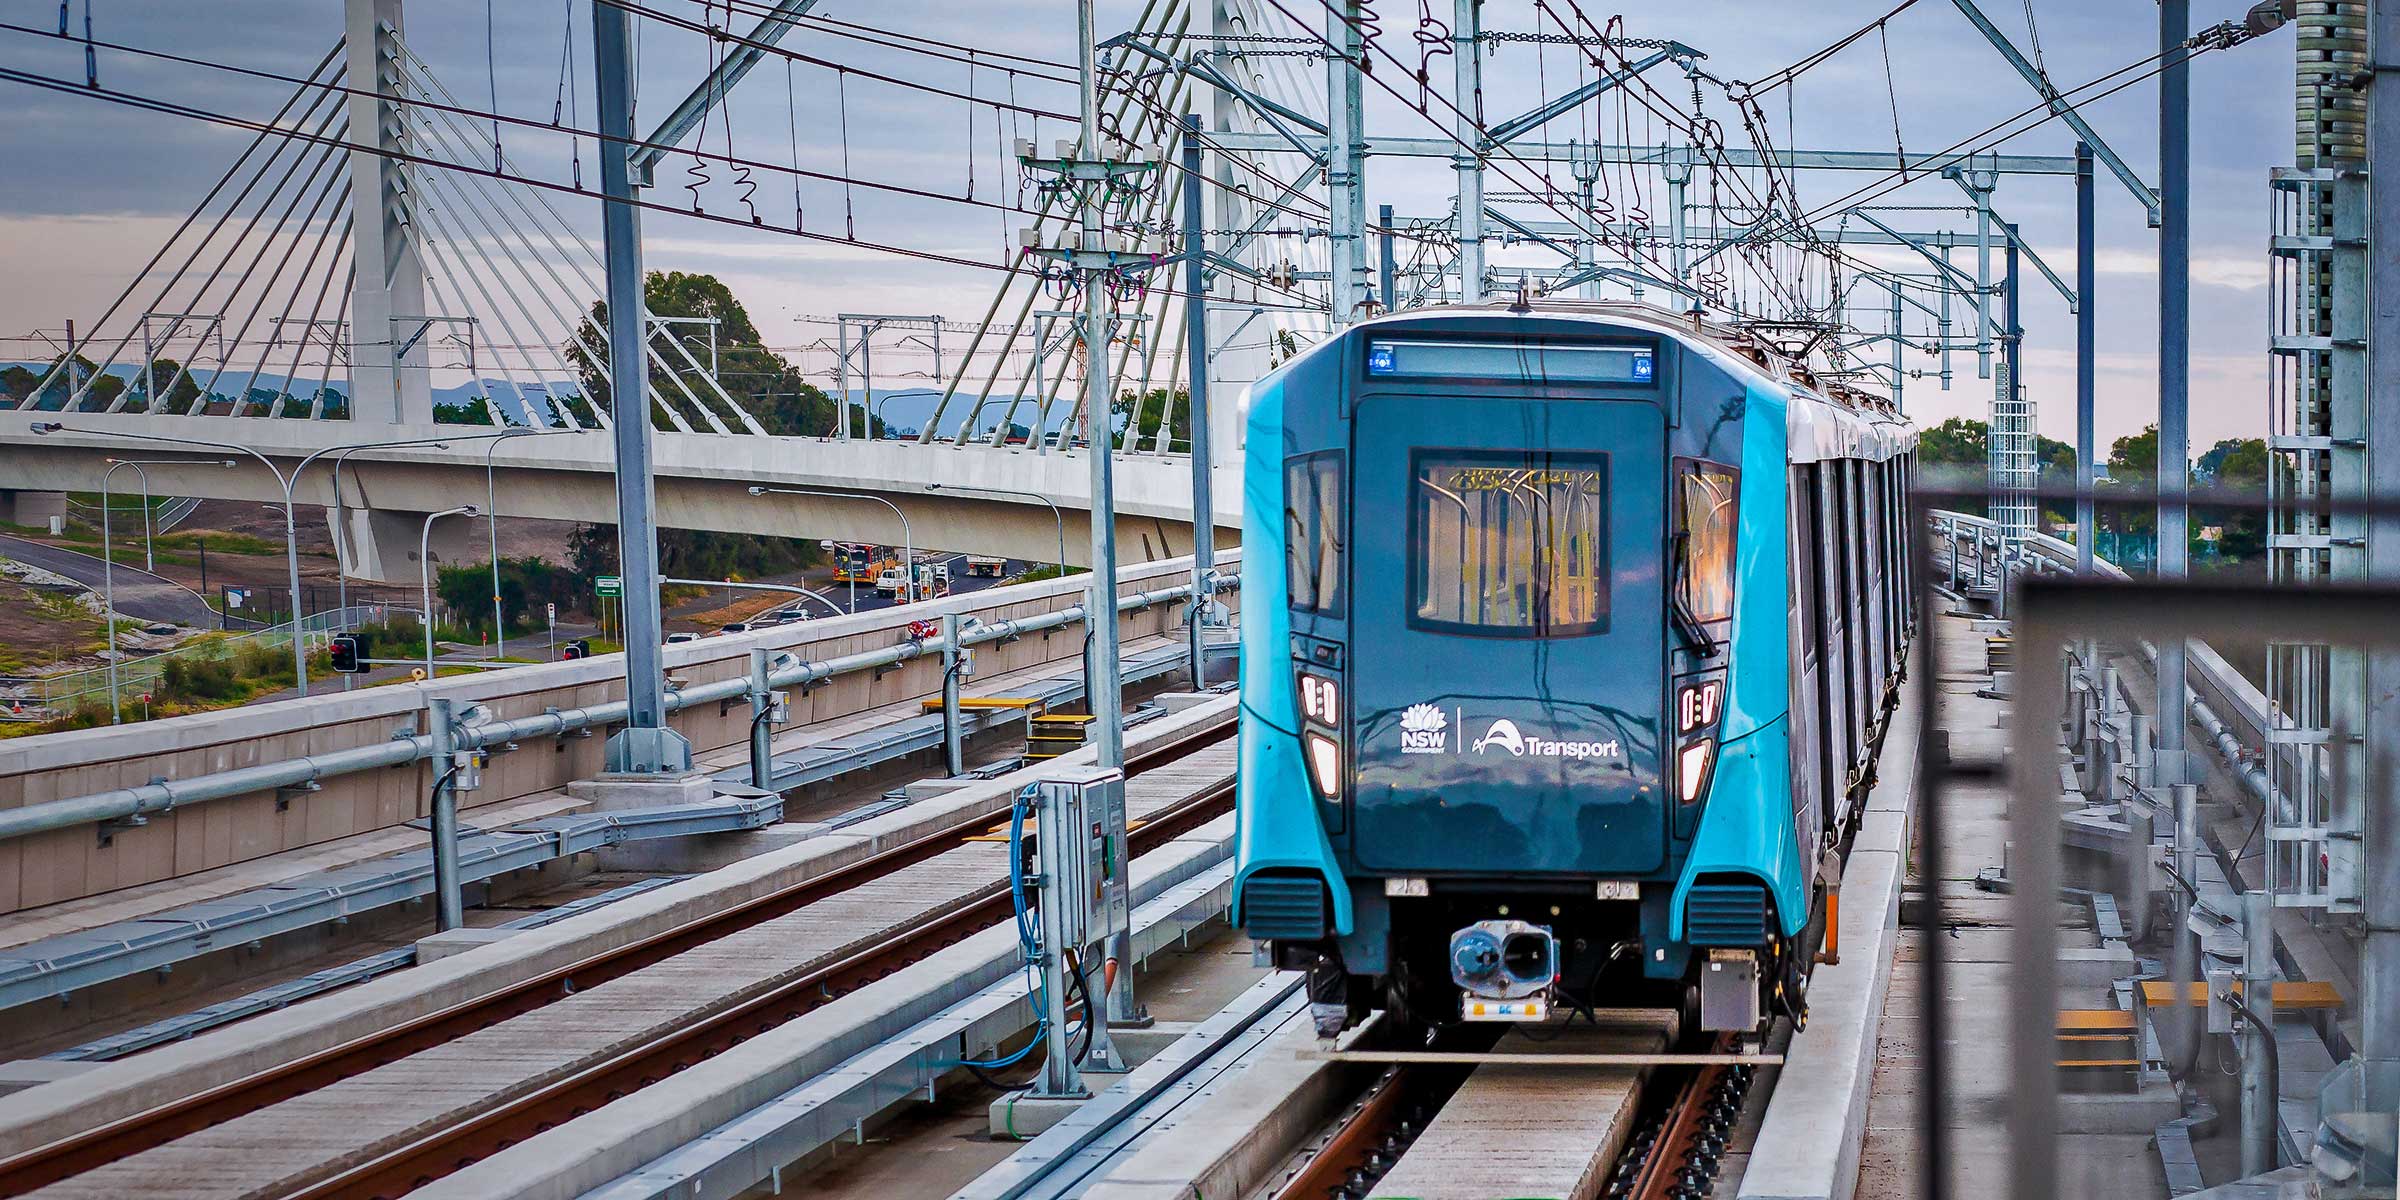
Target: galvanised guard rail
[(164, 795), (2222, 701)]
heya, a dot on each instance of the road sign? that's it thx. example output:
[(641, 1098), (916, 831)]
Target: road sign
[(609, 587), (234, 596)]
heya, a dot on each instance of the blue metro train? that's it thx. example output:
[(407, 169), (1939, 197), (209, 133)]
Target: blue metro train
[(1592, 617)]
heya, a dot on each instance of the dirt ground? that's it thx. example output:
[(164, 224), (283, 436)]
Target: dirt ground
[(41, 626)]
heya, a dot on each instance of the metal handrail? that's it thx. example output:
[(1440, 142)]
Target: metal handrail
[(166, 795), (2242, 700)]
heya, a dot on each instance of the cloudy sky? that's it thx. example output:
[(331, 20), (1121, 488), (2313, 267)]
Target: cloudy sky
[(88, 189)]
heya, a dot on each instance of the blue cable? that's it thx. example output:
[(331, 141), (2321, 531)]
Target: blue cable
[(1026, 944)]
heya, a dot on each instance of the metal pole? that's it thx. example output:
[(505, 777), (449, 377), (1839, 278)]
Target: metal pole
[(841, 370), (1387, 270), (108, 579), (2174, 357), (2379, 958), (646, 745), (1899, 377), (762, 735), (954, 757), (2010, 390), (1107, 696), (2086, 356), (1983, 274), (1678, 169), (449, 910), (491, 513), (1195, 349), (1345, 159), (2259, 1083), (149, 532), (2183, 958), (425, 576), (1466, 60)]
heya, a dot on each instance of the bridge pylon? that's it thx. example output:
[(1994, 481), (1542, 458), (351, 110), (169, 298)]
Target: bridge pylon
[(389, 380)]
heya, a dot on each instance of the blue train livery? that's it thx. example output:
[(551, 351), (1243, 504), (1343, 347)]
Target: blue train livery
[(1574, 631)]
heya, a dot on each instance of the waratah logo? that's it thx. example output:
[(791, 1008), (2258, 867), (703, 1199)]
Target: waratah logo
[(1504, 735), (1424, 729)]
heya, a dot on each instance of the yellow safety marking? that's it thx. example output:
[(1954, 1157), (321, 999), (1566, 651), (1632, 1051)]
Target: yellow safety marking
[(935, 704), (2094, 1018), (2289, 993)]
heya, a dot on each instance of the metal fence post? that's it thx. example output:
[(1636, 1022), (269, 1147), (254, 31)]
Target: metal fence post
[(449, 907), (954, 661), (2259, 1084), (762, 732)]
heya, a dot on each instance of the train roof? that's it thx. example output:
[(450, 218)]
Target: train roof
[(1826, 417)]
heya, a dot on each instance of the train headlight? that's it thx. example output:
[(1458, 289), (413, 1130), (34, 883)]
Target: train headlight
[(1324, 764), (1691, 768), (1697, 705), (1321, 699)]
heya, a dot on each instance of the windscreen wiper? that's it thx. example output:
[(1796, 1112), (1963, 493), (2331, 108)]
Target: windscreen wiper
[(1686, 621)]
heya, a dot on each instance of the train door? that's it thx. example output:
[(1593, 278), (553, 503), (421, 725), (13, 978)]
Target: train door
[(1509, 634)]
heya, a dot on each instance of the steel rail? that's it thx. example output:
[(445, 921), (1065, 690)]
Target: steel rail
[(406, 1168), (141, 1131)]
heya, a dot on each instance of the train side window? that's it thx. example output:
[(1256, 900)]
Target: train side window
[(1705, 496), (1312, 532), (1509, 544)]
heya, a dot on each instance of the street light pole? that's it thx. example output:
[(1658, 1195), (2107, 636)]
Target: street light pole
[(149, 532), (908, 541), (491, 512), (425, 573), (289, 483), (1057, 519)]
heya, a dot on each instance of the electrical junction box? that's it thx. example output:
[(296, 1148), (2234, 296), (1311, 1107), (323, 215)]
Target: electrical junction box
[(466, 770), (2220, 1014), (966, 664), (779, 707), (1082, 844)]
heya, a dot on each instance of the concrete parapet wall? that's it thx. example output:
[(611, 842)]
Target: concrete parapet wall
[(72, 863)]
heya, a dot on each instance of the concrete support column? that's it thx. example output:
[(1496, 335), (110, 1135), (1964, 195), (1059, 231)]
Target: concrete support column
[(379, 545), (33, 509)]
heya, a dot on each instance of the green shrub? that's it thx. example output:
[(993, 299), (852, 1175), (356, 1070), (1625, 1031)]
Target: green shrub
[(199, 679)]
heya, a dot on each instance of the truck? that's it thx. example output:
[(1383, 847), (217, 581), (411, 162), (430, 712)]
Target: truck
[(987, 564)]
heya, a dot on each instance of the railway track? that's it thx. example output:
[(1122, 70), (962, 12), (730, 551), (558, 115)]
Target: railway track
[(1664, 1141), (772, 958)]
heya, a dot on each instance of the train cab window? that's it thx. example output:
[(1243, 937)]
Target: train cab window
[(1509, 544), (1705, 496), (1312, 532)]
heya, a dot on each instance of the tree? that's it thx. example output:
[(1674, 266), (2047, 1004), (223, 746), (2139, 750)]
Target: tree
[(1143, 419), (1959, 441), (2237, 465), (17, 383), (690, 554), (766, 386)]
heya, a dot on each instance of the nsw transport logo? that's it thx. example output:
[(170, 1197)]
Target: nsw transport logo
[(1424, 729)]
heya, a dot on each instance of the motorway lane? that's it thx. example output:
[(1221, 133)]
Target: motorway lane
[(139, 594), (870, 600)]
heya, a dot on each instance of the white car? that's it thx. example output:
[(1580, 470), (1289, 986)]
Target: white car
[(888, 580), (677, 638)]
